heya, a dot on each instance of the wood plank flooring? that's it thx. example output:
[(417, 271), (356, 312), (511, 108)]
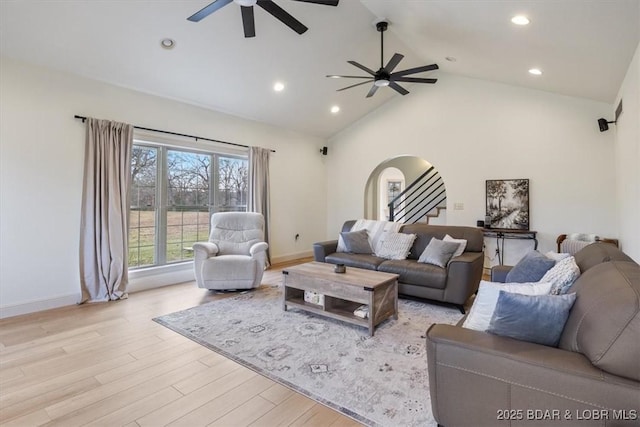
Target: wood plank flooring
[(109, 364)]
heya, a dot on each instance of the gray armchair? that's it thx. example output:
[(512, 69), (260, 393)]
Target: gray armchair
[(235, 255)]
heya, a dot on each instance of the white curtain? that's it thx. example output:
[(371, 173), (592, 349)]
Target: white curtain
[(259, 188), (105, 211)]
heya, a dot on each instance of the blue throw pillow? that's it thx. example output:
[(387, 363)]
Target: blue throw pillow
[(535, 318), (530, 268)]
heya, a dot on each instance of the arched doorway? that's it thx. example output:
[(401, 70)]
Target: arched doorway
[(398, 173)]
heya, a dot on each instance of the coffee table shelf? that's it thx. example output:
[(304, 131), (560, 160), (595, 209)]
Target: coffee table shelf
[(343, 292)]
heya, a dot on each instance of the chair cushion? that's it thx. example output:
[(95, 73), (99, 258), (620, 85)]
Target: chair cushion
[(604, 323), (236, 232)]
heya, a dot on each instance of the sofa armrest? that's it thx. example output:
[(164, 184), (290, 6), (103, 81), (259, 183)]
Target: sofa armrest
[(499, 273), (322, 249), (474, 375), (463, 276)]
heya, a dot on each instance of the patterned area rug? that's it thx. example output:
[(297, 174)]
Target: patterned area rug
[(378, 381)]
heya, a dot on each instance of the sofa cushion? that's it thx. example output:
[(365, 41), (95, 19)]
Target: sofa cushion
[(357, 242), (414, 273), (533, 318), (369, 262), (597, 253), (486, 299), (462, 244), (604, 323), (530, 268), (562, 275), (374, 228), (395, 245), (438, 252), (425, 232)]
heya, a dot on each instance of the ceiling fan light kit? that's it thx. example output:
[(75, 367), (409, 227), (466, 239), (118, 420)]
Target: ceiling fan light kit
[(246, 9), (385, 75)]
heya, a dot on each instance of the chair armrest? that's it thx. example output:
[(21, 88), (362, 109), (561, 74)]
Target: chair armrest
[(499, 273), (322, 249), (206, 248), (258, 247)]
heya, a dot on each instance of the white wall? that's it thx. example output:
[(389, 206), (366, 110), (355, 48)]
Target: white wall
[(41, 156), (627, 132), (473, 130)]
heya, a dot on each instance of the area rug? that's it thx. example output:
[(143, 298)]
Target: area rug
[(378, 381)]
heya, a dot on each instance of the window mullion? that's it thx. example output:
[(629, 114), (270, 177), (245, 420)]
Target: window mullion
[(162, 195)]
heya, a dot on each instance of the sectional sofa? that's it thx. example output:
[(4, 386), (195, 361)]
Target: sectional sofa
[(592, 378)]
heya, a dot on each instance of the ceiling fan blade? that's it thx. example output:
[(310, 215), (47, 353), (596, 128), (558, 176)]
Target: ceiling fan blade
[(393, 62), (362, 67), (398, 88), (282, 15), (335, 76), (248, 22), (414, 80), (372, 91), (357, 84), (325, 2), (208, 10), (415, 70)]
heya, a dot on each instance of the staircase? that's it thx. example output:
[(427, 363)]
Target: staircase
[(422, 200)]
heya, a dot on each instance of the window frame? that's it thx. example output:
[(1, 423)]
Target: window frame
[(163, 145)]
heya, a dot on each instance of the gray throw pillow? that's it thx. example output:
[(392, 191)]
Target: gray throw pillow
[(438, 252), (535, 318), (530, 268), (357, 242)]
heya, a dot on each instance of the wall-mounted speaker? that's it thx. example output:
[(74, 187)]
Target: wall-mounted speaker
[(324, 150)]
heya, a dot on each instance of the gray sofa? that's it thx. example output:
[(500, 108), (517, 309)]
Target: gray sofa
[(454, 284), (592, 378)]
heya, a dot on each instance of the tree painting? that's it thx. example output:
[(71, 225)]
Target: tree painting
[(508, 203)]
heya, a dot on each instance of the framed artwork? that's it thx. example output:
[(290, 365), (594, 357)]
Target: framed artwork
[(508, 203)]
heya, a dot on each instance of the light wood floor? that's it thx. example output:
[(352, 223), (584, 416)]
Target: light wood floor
[(109, 364)]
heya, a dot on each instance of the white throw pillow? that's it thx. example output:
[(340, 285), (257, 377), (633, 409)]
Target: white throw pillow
[(395, 245), (557, 256), (375, 230), (487, 297), (562, 275), (461, 242)]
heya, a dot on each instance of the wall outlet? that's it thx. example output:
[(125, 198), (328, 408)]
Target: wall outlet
[(458, 206)]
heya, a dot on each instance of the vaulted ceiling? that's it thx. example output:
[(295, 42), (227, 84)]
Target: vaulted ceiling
[(582, 46)]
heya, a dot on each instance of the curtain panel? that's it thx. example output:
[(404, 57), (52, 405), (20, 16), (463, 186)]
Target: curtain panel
[(105, 211), (259, 189)]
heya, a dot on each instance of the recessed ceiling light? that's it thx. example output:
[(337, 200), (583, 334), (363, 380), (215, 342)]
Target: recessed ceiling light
[(520, 20), (167, 43), (535, 71), (278, 86), (335, 109)]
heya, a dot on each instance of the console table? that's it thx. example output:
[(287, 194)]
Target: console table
[(506, 233)]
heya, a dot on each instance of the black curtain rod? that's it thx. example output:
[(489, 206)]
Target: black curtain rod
[(179, 134)]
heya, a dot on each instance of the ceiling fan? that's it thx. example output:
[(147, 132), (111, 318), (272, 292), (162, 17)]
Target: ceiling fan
[(385, 75), (248, 21)]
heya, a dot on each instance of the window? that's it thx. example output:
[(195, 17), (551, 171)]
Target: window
[(173, 193)]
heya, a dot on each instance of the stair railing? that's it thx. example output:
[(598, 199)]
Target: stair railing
[(420, 197)]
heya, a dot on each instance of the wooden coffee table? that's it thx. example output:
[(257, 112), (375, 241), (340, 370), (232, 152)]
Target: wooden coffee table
[(343, 292)]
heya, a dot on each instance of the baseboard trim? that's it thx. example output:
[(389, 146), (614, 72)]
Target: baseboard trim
[(38, 305), (291, 257)]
